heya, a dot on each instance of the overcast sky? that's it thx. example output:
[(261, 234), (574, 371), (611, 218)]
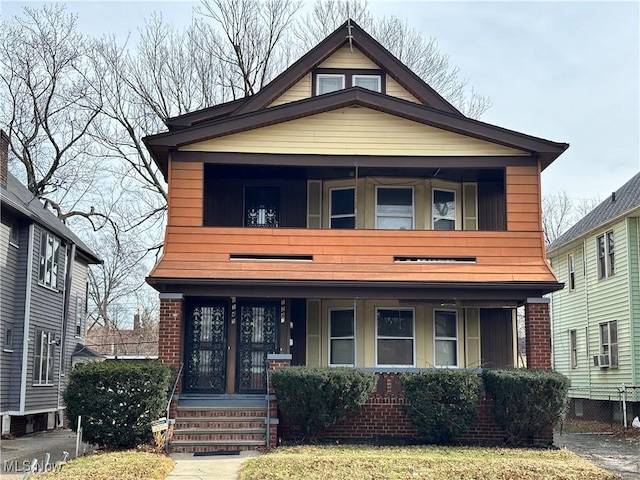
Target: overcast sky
[(564, 71)]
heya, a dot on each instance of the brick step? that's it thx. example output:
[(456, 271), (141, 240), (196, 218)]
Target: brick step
[(189, 446), (217, 423), (220, 431), (224, 412), (219, 437)]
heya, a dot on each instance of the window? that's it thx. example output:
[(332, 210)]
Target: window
[(342, 337), (444, 209), (14, 234), (79, 316), (370, 82), (342, 208), (394, 208), (609, 341), (326, 83), (394, 337), (573, 348), (446, 338), (8, 340), (605, 255), (49, 260), (43, 360), (571, 267)]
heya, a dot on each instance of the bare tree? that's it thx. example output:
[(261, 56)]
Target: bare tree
[(560, 212)]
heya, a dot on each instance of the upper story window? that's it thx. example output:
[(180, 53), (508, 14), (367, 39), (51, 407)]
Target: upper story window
[(342, 212), (571, 267), (609, 342), (49, 268), (329, 80), (14, 234), (444, 209), (605, 250), (394, 208)]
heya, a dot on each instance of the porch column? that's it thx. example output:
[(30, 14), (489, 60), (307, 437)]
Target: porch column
[(170, 335), (537, 325), (275, 361)]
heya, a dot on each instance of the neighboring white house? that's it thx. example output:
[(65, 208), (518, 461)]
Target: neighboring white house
[(43, 294), (596, 317)]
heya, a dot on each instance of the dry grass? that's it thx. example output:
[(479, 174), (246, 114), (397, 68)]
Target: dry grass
[(129, 465), (424, 463)]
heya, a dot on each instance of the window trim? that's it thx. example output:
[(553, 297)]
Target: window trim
[(573, 349), (8, 340), (79, 316), (455, 203), (352, 215), (348, 74), (456, 339), (609, 344), (44, 338), (605, 265), (413, 206), (14, 235), (367, 75), (55, 262), (413, 337), (571, 271), (330, 337), (319, 76)]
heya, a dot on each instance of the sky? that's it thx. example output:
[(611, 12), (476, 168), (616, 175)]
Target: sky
[(566, 71)]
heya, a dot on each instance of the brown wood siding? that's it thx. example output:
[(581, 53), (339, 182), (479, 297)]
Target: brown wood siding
[(192, 252), (185, 193), (491, 206), (523, 199), (496, 334)]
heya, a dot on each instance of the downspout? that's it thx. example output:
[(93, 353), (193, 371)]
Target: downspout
[(65, 316), (632, 317), (586, 303), (27, 313)]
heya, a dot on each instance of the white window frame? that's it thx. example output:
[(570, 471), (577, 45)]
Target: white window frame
[(455, 203), (437, 339), (43, 363), (352, 215), (571, 271), (377, 77), (320, 76), (413, 205), (8, 340), (79, 316), (573, 349), (607, 347), (50, 276), (606, 262), (352, 337), (412, 338), (14, 235)]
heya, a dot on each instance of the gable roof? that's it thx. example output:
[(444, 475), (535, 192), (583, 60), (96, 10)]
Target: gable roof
[(625, 199), (20, 199), (160, 144)]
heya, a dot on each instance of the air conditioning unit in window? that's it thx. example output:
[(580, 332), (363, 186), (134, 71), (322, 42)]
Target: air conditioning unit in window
[(601, 361)]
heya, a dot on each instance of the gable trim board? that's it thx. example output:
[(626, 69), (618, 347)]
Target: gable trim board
[(160, 144), (27, 314)]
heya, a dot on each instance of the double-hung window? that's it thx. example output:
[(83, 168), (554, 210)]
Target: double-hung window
[(573, 349), (609, 341), (446, 338), (605, 250), (342, 337), (395, 337), (394, 208), (342, 212), (443, 209), (43, 358), (571, 267), (49, 260)]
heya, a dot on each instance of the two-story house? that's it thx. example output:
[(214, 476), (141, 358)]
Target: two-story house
[(345, 215), (596, 317), (43, 295)]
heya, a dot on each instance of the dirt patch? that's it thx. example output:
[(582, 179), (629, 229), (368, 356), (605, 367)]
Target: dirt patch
[(619, 454)]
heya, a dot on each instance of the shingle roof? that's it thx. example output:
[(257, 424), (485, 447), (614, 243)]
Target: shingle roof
[(627, 198), (18, 197)]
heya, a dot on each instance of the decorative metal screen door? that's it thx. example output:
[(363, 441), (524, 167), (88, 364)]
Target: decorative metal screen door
[(257, 336), (205, 349)]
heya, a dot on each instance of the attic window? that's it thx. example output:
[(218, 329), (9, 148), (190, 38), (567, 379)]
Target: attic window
[(327, 80)]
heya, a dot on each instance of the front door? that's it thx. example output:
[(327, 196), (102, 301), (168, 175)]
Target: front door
[(257, 336), (205, 347)]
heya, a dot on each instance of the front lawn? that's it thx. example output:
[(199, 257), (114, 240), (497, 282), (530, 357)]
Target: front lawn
[(424, 463)]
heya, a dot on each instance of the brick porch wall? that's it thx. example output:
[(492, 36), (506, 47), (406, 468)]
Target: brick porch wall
[(170, 332), (538, 333)]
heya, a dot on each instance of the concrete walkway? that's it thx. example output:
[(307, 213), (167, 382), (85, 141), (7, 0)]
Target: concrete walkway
[(215, 467)]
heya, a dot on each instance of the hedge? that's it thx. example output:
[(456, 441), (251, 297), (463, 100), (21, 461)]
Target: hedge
[(318, 397), (117, 400)]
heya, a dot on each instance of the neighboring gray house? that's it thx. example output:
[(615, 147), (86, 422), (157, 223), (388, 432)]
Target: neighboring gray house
[(596, 317), (43, 293)]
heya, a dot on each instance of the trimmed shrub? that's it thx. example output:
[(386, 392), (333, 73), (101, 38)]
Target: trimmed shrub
[(318, 397), (117, 400), (526, 402), (443, 403)]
